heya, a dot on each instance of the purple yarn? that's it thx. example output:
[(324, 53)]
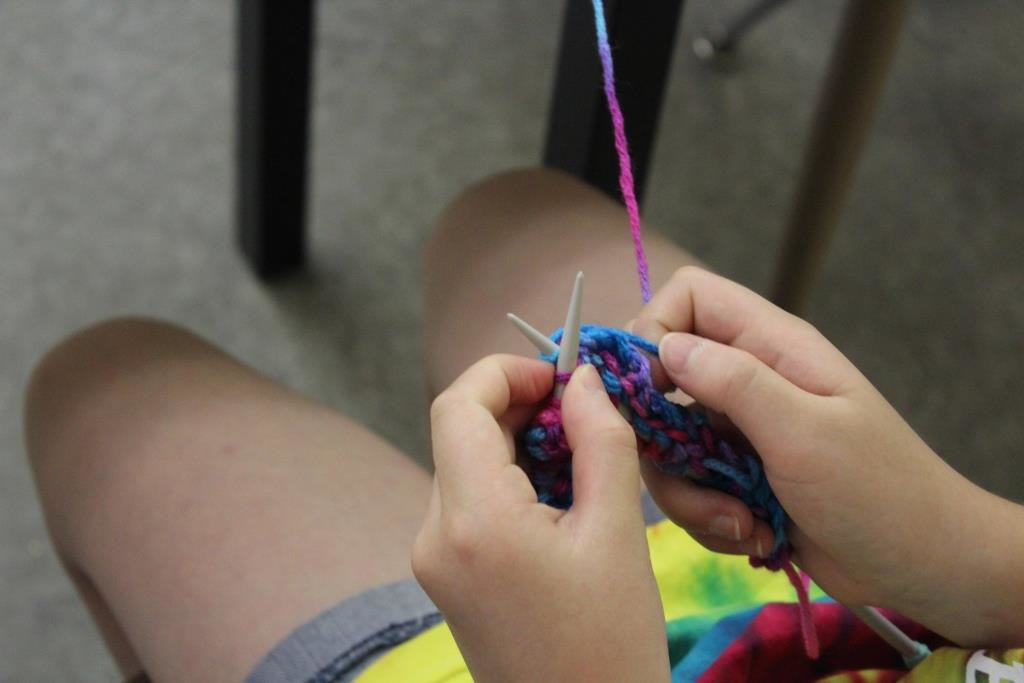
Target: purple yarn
[(622, 148), (677, 439)]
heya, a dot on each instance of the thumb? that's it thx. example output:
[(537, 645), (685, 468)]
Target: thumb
[(605, 463), (757, 399)]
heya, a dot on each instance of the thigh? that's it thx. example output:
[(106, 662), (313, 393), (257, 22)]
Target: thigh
[(212, 509), (513, 244)]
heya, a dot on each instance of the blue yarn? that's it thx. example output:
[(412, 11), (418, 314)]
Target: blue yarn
[(677, 439)]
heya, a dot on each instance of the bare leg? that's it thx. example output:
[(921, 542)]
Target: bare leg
[(202, 510), (513, 243)]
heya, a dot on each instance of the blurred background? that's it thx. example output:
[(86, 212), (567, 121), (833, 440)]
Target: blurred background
[(116, 196)]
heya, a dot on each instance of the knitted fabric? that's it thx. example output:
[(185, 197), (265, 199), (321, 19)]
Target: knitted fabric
[(678, 440)]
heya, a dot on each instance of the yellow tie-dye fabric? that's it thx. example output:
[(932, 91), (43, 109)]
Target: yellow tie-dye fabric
[(952, 665), (692, 582)]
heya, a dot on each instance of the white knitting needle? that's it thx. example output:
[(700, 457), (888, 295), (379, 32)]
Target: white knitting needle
[(543, 344), (569, 349), (912, 651)]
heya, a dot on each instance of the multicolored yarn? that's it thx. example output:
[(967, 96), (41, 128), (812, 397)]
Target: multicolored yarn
[(621, 146), (676, 439)]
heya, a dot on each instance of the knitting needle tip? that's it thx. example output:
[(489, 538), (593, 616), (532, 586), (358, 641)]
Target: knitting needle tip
[(913, 652), (535, 337), (569, 349)]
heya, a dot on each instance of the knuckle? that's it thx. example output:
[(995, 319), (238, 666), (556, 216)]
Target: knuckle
[(806, 328), (808, 333), (457, 544), (444, 406), (492, 366), (843, 418), (465, 538), (615, 435), (686, 273), (494, 361), (741, 378), (423, 559)]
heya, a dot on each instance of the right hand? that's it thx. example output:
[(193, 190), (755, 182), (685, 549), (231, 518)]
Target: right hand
[(876, 516)]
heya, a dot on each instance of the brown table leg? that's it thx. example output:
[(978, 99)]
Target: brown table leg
[(868, 36)]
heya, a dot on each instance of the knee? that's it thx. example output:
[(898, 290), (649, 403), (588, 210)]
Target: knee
[(72, 393), (524, 186), (505, 205)]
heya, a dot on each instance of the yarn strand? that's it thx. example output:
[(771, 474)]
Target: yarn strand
[(801, 582), (678, 440), (626, 182)]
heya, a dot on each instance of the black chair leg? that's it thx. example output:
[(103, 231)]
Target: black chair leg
[(579, 139), (275, 41)]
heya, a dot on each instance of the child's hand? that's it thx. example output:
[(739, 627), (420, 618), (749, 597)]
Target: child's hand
[(533, 593), (877, 517)]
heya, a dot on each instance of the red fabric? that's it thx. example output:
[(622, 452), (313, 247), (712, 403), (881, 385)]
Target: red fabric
[(771, 648)]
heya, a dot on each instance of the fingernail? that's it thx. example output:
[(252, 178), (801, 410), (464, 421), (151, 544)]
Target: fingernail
[(590, 380), (676, 350), (760, 548), (725, 527)]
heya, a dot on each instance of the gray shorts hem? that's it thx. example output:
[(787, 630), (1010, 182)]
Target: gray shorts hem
[(342, 641), (335, 646)]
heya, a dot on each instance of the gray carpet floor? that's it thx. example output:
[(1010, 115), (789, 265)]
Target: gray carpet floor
[(116, 195)]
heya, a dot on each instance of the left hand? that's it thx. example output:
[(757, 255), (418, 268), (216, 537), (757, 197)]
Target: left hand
[(531, 592)]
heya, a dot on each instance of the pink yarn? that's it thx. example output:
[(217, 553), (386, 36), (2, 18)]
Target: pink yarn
[(560, 487), (626, 182)]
